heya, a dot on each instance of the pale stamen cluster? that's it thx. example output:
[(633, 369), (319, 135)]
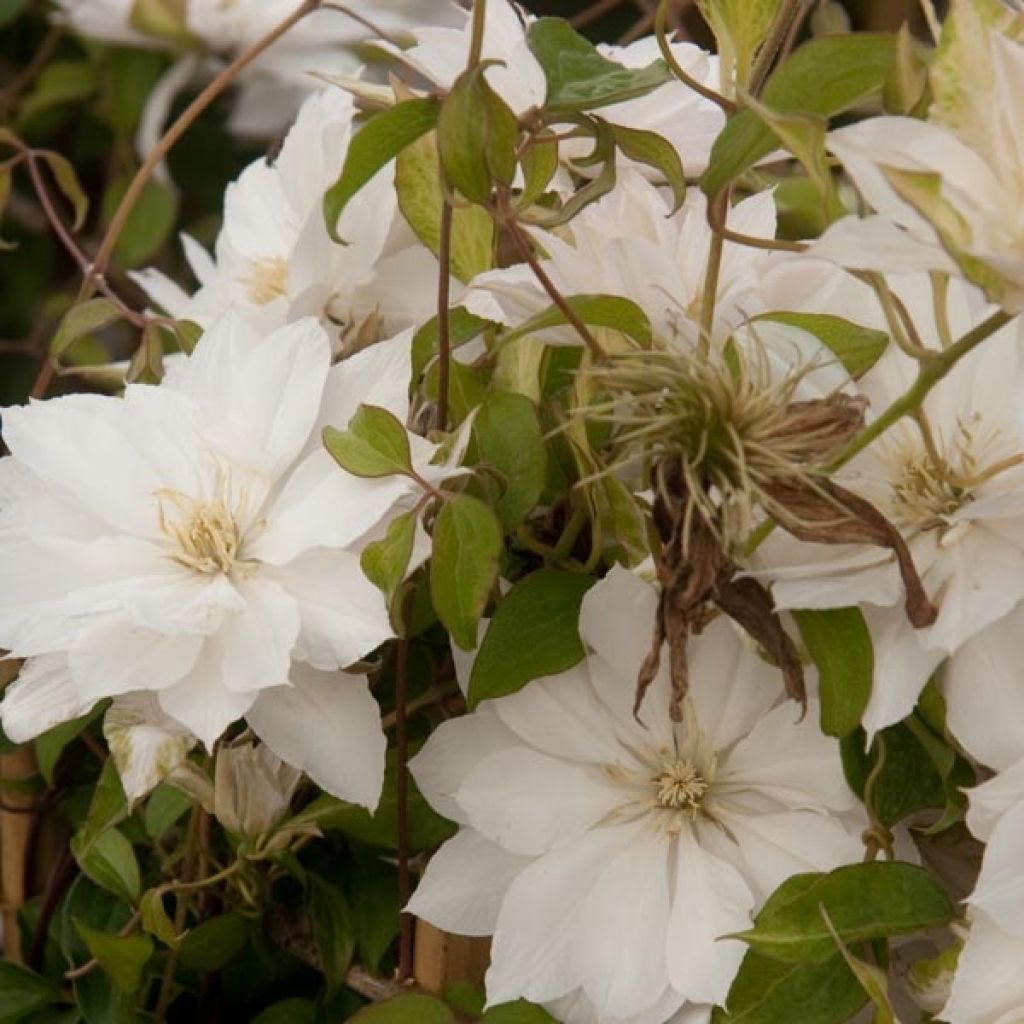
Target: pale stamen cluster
[(267, 280)]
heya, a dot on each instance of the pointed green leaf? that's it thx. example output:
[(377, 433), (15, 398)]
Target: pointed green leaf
[(650, 148), (534, 632), (385, 561), (857, 348), (155, 919), (110, 862), (381, 139), (66, 177), (413, 1009), (123, 958), (468, 543), (375, 444), (23, 992), (333, 930), (611, 311), (85, 318)]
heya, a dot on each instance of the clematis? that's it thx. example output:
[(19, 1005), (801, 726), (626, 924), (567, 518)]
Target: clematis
[(626, 244), (206, 33), (987, 986), (274, 260), (948, 191), (194, 541), (608, 858), (687, 120), (955, 489)]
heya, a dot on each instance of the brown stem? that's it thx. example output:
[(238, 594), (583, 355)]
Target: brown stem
[(407, 923), (444, 338)]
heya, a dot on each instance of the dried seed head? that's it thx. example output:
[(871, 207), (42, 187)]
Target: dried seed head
[(735, 428)]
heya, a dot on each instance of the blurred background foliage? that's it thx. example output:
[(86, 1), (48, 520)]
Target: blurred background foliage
[(84, 100)]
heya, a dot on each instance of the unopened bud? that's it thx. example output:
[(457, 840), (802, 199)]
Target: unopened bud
[(252, 789)]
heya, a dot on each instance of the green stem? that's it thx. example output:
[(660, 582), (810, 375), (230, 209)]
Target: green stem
[(718, 207), (661, 33), (476, 39)]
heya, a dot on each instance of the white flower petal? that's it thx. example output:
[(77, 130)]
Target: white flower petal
[(258, 641), (988, 987), (466, 880), (327, 724), (43, 695), (1000, 888), (993, 799)]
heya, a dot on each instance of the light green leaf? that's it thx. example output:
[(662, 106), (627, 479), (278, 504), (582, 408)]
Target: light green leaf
[(154, 917), (23, 992), (872, 978), (839, 641), (600, 185), (539, 163), (418, 186), (85, 318), (109, 861), (381, 139), (375, 444), (519, 1012), (333, 930), (863, 901), (578, 77), (66, 177), (825, 76), (463, 327), (534, 632), (413, 1009), (385, 561), (468, 542), (123, 958), (508, 438), (650, 148), (767, 991), (857, 348), (611, 311), (905, 92)]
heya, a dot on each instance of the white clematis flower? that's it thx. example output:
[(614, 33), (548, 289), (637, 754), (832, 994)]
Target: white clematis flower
[(196, 541), (608, 857), (627, 245), (949, 190), (274, 260), (988, 987), (686, 119), (210, 32)]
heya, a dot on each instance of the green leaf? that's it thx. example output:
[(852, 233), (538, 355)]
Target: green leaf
[(85, 318), (288, 1011), (375, 444), (476, 136), (468, 542), (66, 177), (385, 561), (863, 901), (463, 327), (509, 439), (534, 632), (839, 642), (825, 76), (539, 163), (418, 186), (123, 958), (857, 348), (907, 781), (406, 1010), (214, 943), (374, 909), (131, 76), (108, 806), (381, 139), (740, 27), (519, 1012), (610, 311), (333, 930), (109, 860), (650, 148), (60, 82), (767, 991), (154, 917), (601, 185), (51, 744), (149, 224), (578, 77), (11, 9), (164, 806), (23, 992), (872, 978)]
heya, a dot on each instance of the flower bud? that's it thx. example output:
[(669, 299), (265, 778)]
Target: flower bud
[(252, 789)]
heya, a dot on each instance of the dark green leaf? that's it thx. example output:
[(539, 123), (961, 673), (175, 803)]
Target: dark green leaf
[(463, 327), (51, 744), (768, 991), (534, 632), (214, 943), (123, 958), (109, 861), (11, 9), (857, 348), (333, 930), (539, 162), (519, 1012), (22, 992), (85, 318), (825, 76), (154, 917), (578, 77), (149, 224), (863, 902), (839, 642), (381, 139), (375, 444), (288, 1011), (66, 177), (907, 780), (60, 82), (374, 909), (508, 438), (406, 1010), (468, 542), (164, 806), (132, 74)]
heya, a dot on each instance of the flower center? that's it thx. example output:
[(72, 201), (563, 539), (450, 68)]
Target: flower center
[(924, 497), (679, 786), (204, 535), (266, 280)]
